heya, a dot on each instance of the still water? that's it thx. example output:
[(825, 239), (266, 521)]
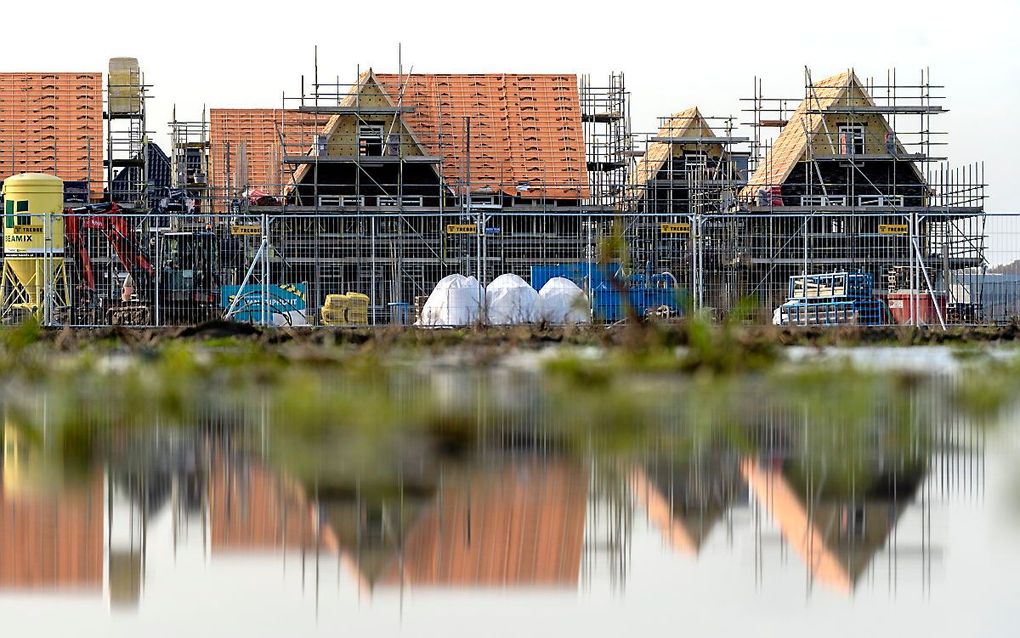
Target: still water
[(517, 512)]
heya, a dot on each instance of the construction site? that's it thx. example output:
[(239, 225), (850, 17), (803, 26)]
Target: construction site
[(460, 199)]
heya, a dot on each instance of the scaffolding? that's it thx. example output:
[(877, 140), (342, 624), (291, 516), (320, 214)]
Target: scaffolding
[(189, 157), (605, 114), (691, 167), (127, 139), (856, 180), (386, 183)]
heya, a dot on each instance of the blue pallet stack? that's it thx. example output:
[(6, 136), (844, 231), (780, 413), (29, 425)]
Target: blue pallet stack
[(832, 299)]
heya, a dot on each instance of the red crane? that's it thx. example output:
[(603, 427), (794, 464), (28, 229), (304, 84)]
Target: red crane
[(184, 288), (106, 218)]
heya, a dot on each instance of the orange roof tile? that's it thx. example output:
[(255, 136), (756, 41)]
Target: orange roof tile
[(52, 123), (259, 130), (524, 129)]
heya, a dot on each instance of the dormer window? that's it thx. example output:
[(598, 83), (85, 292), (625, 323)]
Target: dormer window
[(851, 139), (370, 140)]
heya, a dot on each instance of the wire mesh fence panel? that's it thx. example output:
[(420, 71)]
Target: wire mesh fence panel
[(93, 266)]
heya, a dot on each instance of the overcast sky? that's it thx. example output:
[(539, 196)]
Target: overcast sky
[(674, 55)]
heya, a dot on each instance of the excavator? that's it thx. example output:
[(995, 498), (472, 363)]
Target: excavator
[(178, 281)]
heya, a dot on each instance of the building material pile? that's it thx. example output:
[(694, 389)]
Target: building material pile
[(509, 300), (561, 301), (455, 301)]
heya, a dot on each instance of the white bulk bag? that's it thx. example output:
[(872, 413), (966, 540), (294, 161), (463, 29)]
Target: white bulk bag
[(510, 300), (455, 301), (562, 301)]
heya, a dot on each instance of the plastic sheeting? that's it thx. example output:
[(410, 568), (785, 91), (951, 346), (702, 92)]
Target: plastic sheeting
[(510, 300), (562, 301), (455, 301)]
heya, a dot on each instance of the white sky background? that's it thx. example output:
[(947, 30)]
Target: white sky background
[(674, 55)]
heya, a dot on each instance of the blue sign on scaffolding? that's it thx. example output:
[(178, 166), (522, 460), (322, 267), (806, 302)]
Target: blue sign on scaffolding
[(286, 304)]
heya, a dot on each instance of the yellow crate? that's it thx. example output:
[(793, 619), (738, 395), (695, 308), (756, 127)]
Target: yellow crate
[(357, 300)]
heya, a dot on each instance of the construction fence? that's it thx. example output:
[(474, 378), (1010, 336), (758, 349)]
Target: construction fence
[(379, 268)]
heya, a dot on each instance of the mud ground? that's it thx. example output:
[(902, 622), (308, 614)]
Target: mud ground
[(668, 334)]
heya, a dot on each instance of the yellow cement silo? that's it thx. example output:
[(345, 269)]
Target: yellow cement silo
[(34, 270)]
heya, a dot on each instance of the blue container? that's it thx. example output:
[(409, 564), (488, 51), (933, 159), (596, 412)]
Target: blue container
[(577, 272), (609, 306), (643, 291), (400, 313)]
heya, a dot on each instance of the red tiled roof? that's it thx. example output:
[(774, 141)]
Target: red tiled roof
[(259, 131), (52, 123), (524, 129)]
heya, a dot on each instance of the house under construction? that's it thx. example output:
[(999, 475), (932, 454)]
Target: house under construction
[(388, 184), (853, 183), (849, 184), (687, 172), (384, 181)]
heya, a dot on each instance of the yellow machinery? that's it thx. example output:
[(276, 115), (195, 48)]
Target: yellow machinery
[(345, 310), (26, 469), (34, 277)]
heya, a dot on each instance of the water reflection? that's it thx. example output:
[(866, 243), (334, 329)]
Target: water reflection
[(51, 541), (514, 509)]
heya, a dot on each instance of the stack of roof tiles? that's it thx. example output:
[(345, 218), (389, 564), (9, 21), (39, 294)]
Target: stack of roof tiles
[(525, 130), (52, 123)]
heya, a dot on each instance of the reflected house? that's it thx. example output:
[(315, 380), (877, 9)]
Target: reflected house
[(52, 541), (371, 521), (53, 533), (835, 536), (684, 501), (252, 509), (518, 525)]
